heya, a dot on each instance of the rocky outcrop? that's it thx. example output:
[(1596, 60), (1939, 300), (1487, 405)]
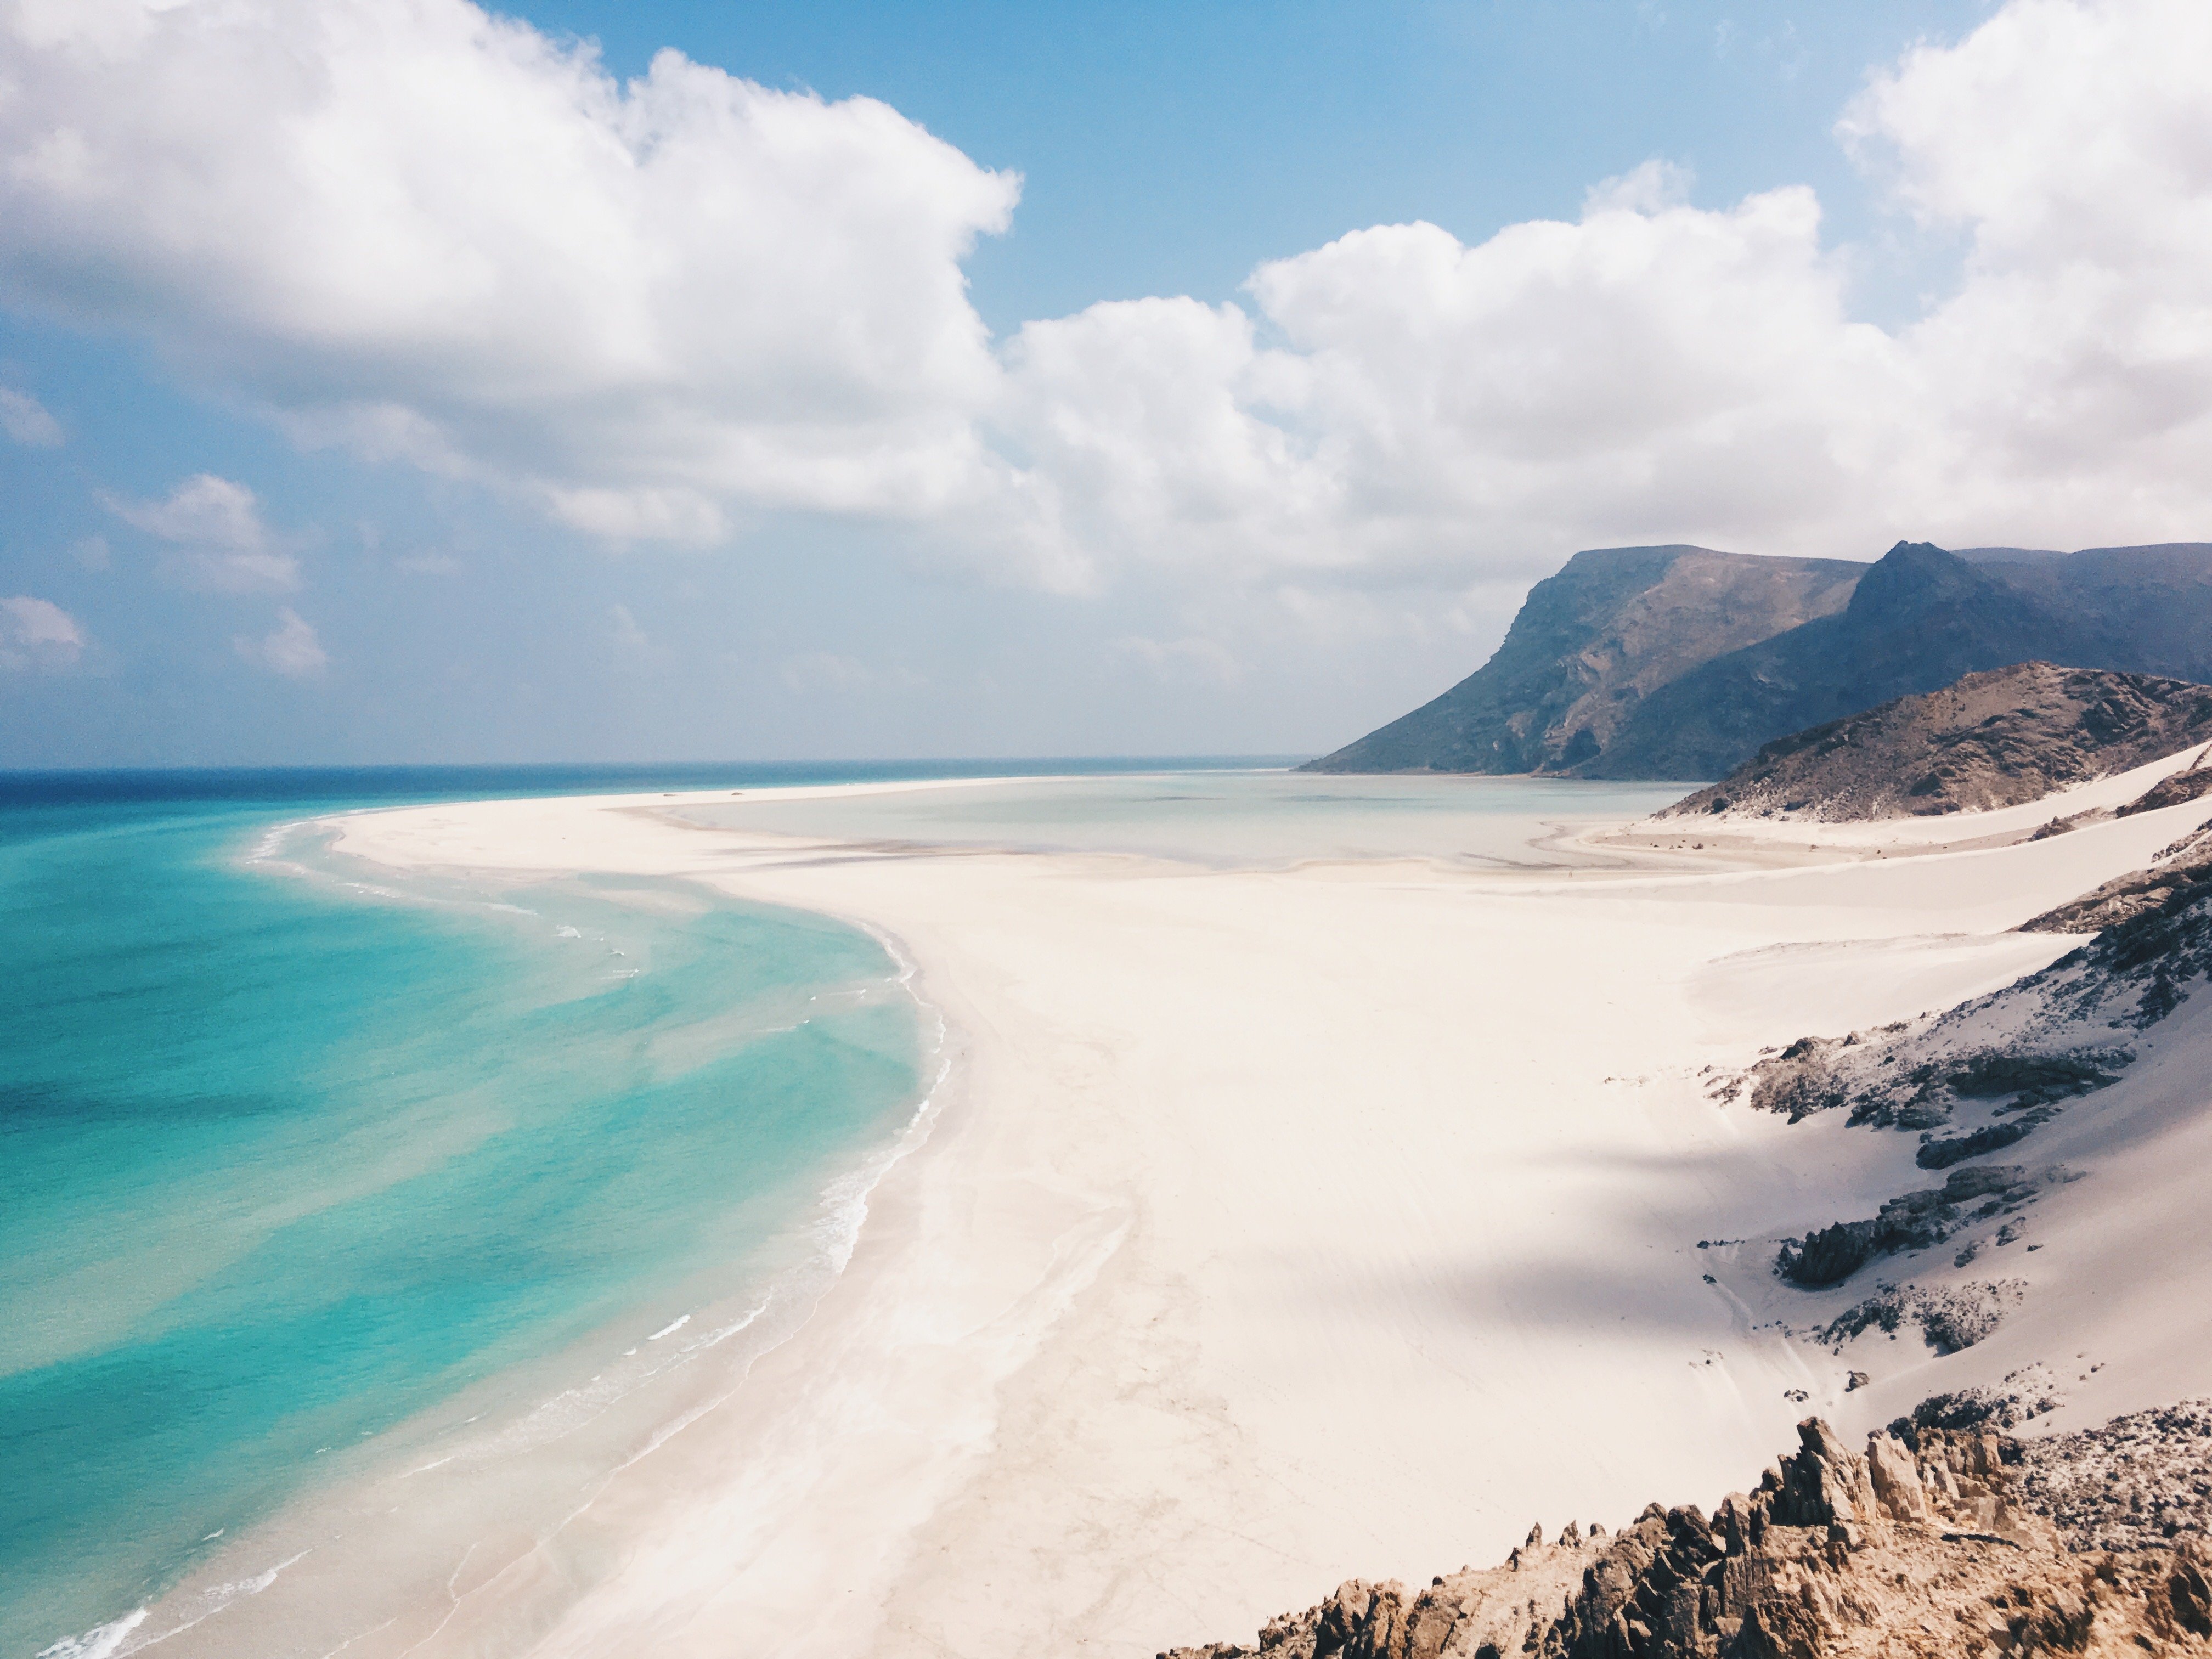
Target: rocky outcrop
[(1981, 1077), (1614, 624), (1987, 740), (1921, 1544), (2140, 1481), (2192, 783), (2180, 875), (1949, 1317), (1912, 1221), (1680, 662)]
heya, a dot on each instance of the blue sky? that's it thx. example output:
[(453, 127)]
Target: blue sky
[(338, 433)]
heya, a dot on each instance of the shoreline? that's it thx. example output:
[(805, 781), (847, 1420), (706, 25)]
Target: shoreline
[(1279, 1225)]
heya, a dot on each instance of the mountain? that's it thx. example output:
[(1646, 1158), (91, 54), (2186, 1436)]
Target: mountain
[(1614, 624), (1622, 673), (1987, 740)]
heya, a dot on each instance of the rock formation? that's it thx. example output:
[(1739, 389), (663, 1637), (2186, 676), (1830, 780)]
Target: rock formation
[(2139, 1482), (2180, 875), (1615, 623), (1987, 740), (1913, 1221), (1982, 1076), (1681, 662), (1925, 1544)]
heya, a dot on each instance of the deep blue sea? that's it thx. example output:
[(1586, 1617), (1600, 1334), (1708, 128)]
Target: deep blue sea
[(304, 1169)]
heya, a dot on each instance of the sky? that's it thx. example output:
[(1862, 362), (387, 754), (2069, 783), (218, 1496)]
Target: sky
[(389, 380)]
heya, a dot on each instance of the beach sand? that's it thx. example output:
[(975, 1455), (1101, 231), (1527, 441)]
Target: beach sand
[(1277, 1226)]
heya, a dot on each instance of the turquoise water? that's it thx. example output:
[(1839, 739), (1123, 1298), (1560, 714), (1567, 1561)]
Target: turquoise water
[(1223, 816), (287, 1163), (348, 1227)]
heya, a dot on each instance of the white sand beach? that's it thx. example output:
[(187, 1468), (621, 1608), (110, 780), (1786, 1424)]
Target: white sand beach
[(1281, 1226)]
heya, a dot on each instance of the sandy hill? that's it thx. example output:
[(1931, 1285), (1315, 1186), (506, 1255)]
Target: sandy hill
[(1624, 666), (2067, 1109), (1987, 740)]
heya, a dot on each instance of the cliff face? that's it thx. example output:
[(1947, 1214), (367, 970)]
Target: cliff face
[(1924, 1544), (1627, 669), (1920, 619), (1589, 643), (1989, 740)]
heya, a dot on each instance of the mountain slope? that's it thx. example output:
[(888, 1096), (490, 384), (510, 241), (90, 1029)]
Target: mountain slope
[(1624, 666), (1920, 619), (1613, 624), (1987, 740)]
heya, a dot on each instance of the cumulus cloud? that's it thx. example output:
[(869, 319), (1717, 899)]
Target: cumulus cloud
[(1651, 365), (660, 308), (1400, 405), (37, 633), (221, 544), (26, 420), (415, 229), (292, 648), (2069, 378)]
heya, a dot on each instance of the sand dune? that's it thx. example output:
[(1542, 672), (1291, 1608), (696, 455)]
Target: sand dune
[(1286, 1226)]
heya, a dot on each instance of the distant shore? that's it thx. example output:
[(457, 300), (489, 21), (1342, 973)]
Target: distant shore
[(1277, 1226)]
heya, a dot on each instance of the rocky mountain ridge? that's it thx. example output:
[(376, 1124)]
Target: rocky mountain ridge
[(1681, 662), (1987, 740), (1590, 642)]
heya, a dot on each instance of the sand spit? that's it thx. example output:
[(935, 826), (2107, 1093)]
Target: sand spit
[(1286, 1226)]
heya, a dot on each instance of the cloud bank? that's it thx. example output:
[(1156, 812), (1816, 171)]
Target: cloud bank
[(659, 308)]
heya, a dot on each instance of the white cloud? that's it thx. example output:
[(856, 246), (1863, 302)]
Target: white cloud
[(627, 634), (291, 648), (37, 633), (216, 526), (1433, 409), (424, 231), (1405, 406), (661, 309), (26, 420), (2069, 378)]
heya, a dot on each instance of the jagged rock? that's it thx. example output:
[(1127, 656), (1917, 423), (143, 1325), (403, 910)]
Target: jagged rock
[(1941, 1154), (1911, 1221), (1919, 1546)]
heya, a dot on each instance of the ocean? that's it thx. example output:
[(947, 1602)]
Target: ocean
[(349, 1219)]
